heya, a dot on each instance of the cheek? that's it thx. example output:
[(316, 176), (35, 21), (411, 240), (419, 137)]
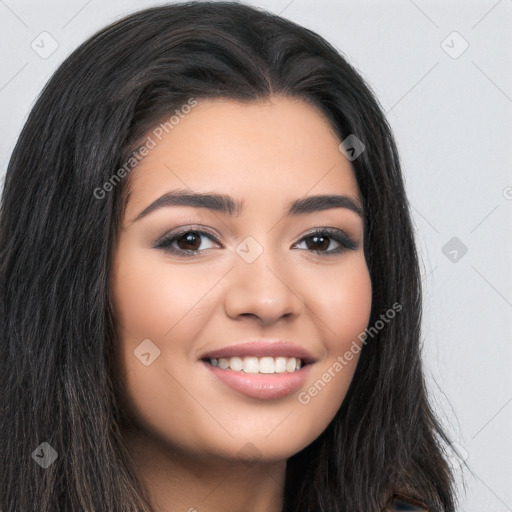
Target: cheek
[(150, 299), (344, 310), (153, 301), (351, 304), (343, 303)]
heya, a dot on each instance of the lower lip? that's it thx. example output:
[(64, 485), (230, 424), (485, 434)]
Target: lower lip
[(262, 386)]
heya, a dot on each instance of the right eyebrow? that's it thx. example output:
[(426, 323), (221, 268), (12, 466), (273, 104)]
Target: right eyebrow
[(226, 204)]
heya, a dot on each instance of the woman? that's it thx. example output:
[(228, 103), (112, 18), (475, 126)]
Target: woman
[(211, 291)]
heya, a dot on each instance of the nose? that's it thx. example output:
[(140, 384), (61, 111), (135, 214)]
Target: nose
[(262, 290)]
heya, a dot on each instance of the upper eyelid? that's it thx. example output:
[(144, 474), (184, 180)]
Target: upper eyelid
[(204, 231), (179, 232)]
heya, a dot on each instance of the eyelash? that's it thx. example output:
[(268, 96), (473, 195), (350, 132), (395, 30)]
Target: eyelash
[(346, 243)]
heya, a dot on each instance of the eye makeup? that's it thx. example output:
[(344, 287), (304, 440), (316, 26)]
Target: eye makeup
[(190, 235)]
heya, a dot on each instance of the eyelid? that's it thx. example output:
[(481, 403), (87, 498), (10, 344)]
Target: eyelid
[(338, 235), (196, 228), (328, 230)]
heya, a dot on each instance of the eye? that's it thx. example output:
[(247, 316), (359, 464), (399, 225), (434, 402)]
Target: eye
[(191, 242), (186, 242), (321, 240)]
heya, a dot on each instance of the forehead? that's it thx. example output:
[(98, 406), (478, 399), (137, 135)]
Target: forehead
[(273, 150)]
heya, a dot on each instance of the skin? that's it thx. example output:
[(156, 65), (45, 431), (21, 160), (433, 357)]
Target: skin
[(193, 430)]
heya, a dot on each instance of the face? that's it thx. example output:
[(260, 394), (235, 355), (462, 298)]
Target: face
[(278, 277)]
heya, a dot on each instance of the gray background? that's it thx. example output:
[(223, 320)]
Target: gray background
[(451, 113)]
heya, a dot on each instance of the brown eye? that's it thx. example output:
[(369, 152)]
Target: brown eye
[(187, 243), (190, 241), (320, 241)]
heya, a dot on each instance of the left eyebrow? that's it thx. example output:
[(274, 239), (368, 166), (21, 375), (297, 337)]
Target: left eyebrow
[(317, 203), (226, 204)]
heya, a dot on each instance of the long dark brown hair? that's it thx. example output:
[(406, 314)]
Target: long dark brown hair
[(57, 240)]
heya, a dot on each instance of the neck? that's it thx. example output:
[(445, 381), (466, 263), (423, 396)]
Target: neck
[(178, 481)]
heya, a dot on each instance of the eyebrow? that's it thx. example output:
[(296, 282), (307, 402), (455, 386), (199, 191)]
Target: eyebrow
[(224, 203)]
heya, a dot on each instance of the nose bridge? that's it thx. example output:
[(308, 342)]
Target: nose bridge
[(260, 284)]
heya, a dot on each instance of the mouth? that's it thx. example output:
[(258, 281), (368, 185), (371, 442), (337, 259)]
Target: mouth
[(261, 369), (258, 365)]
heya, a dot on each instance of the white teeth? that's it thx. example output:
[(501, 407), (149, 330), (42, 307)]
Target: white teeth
[(265, 364), (223, 363), (291, 364), (280, 364), (236, 363), (250, 365)]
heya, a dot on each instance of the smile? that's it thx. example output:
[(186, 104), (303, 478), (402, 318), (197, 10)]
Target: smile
[(258, 384), (255, 365), (262, 369)]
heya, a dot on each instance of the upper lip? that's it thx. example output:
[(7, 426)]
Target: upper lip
[(262, 348)]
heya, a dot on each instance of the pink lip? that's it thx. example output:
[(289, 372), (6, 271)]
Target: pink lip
[(264, 387), (261, 348), (267, 386)]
